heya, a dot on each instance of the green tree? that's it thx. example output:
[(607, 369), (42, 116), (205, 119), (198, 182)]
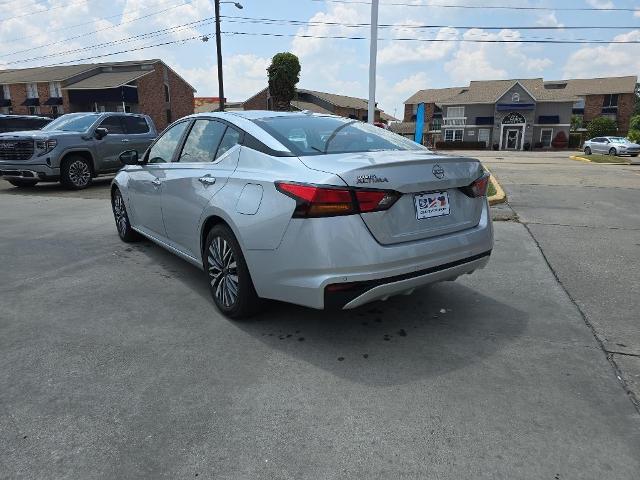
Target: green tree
[(636, 111), (601, 127), (576, 122), (284, 74), (634, 129)]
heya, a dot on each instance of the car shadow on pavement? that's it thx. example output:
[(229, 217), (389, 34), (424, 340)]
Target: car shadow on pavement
[(99, 189), (439, 329)]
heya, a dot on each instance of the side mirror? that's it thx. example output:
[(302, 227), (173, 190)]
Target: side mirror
[(100, 133), (129, 157)]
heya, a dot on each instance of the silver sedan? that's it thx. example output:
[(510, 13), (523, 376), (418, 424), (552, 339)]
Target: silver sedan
[(611, 146), (316, 210)]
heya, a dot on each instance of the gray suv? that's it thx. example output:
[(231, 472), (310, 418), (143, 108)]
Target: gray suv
[(73, 149)]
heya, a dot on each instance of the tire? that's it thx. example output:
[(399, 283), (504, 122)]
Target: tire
[(612, 152), (20, 182), (76, 173), (587, 151), (125, 232), (231, 287)]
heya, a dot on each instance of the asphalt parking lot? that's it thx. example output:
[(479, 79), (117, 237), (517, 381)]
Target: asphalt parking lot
[(115, 364)]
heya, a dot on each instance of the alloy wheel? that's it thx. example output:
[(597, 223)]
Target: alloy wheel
[(223, 272), (120, 212), (79, 173)]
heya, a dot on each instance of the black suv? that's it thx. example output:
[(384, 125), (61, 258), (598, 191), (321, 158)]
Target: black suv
[(19, 123)]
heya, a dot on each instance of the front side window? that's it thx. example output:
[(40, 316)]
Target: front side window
[(202, 142), (113, 125), (162, 151), (136, 125), (319, 135), (74, 122)]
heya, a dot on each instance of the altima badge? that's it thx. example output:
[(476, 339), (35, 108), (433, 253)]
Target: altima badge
[(437, 171), (370, 179)]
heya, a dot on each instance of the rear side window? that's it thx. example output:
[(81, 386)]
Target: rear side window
[(203, 141), (136, 125), (230, 139), (113, 124)]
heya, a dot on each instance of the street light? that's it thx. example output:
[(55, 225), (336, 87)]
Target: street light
[(219, 49)]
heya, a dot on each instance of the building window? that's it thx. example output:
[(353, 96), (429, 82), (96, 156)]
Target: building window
[(169, 116), (32, 90), (55, 89), (610, 100), (455, 112), (484, 136), (515, 98), (436, 124), (6, 92), (453, 135), (546, 134), (33, 110), (167, 97), (57, 110)]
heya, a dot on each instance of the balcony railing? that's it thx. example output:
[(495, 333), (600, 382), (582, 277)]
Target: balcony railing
[(454, 121)]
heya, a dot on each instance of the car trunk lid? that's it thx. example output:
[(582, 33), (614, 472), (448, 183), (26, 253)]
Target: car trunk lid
[(422, 178)]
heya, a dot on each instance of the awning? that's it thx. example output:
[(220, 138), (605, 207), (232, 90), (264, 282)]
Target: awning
[(549, 119), (5, 102), (31, 102), (107, 80), (484, 120), (90, 96), (515, 106), (54, 101)]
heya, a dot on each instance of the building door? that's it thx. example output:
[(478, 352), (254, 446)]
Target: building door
[(512, 139)]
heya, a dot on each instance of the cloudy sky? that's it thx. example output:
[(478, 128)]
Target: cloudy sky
[(72, 30)]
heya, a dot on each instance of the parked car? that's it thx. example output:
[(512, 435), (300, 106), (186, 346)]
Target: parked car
[(17, 123), (352, 214), (73, 149), (611, 146)]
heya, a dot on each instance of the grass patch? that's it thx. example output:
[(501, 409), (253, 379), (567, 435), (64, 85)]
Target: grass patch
[(605, 158), (491, 190)]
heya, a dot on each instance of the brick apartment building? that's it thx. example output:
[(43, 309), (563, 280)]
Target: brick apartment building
[(511, 114), (146, 86), (320, 102)]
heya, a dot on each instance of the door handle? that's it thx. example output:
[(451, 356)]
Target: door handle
[(125, 140), (156, 182), (207, 180)]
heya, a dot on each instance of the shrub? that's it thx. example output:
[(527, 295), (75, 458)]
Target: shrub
[(561, 140), (460, 146), (634, 136), (601, 127)]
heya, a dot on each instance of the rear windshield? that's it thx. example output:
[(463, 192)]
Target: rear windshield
[(73, 122), (316, 135)]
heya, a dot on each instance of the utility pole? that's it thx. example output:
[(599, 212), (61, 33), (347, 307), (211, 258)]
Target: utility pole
[(373, 52), (216, 5), (219, 55)]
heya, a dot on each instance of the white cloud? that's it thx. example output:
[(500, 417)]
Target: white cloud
[(606, 60), (600, 3), (548, 20), (397, 51)]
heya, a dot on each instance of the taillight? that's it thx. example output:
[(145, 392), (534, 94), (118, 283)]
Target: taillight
[(478, 188), (328, 201)]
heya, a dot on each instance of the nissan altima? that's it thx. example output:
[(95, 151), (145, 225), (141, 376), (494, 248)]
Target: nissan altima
[(317, 210)]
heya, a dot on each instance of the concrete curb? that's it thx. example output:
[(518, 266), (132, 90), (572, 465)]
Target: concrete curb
[(500, 196), (582, 159)]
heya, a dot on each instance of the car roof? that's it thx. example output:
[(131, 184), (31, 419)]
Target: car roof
[(258, 114)]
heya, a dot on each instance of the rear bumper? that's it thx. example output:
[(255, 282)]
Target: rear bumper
[(359, 293), (316, 253), (28, 171)]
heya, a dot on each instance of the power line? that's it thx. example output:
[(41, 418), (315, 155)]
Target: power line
[(485, 7), (142, 36), (441, 40), (267, 21), (158, 12)]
